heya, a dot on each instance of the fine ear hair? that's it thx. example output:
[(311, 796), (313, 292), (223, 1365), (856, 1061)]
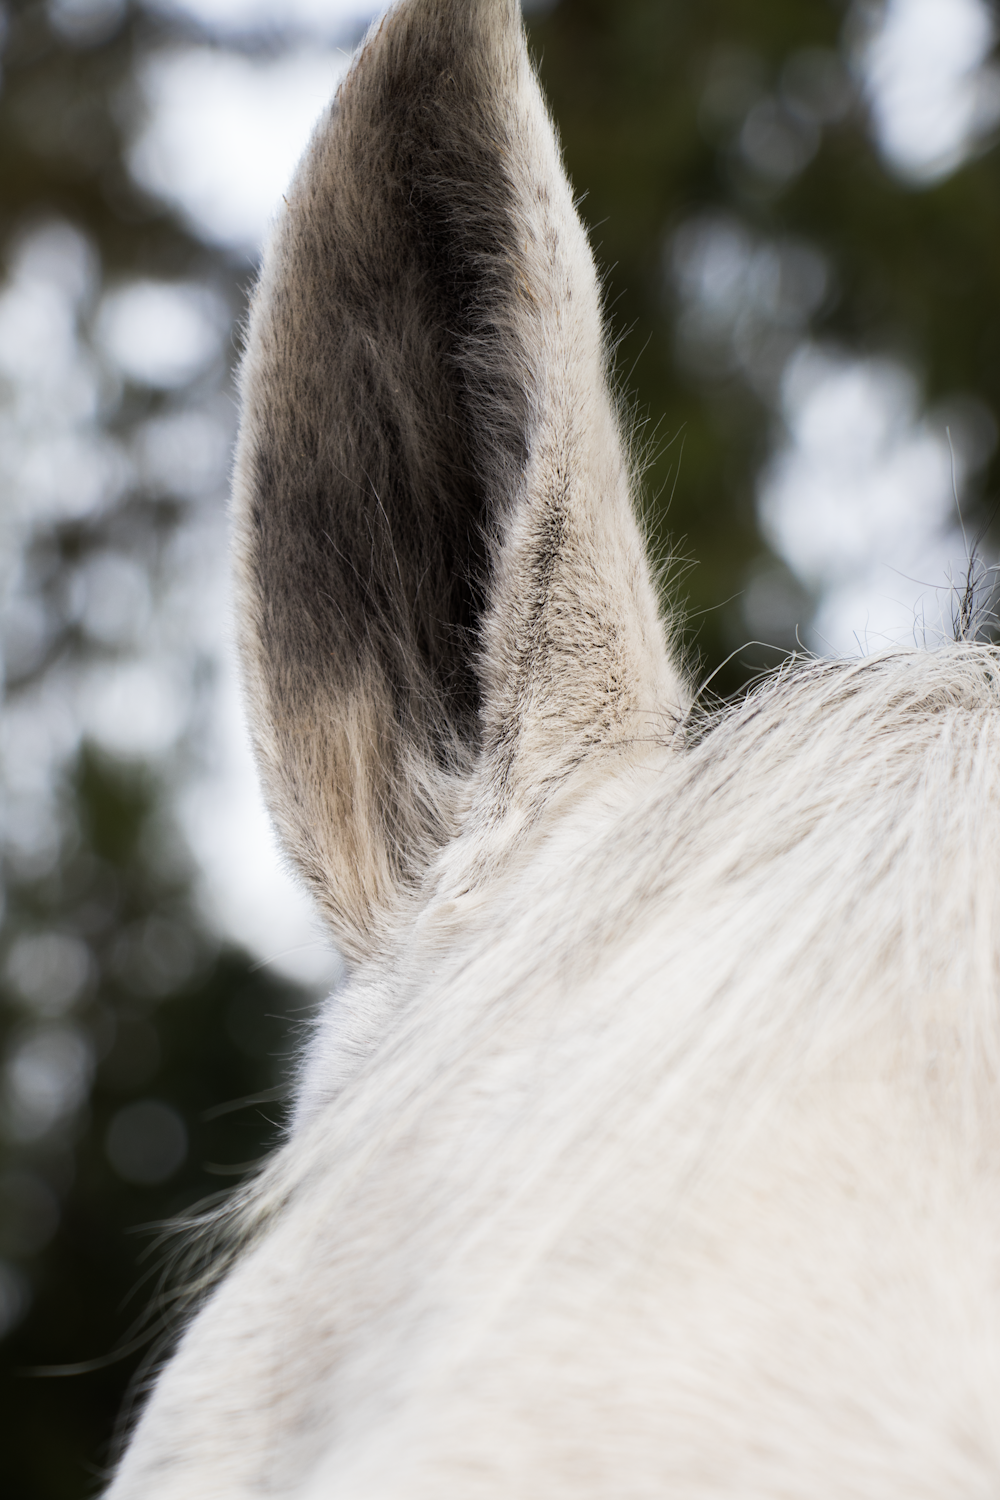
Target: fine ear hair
[(443, 598)]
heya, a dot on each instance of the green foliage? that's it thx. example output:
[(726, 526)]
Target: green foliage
[(168, 1016), (915, 273), (114, 992)]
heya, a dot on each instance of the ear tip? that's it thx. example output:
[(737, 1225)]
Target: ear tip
[(411, 31), (490, 19)]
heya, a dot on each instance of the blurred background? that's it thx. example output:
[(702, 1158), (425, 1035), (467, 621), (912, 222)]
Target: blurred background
[(796, 207)]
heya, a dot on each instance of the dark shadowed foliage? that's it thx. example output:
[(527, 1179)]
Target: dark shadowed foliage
[(132, 1037)]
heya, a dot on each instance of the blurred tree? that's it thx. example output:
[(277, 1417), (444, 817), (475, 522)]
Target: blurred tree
[(742, 212), (128, 1034), (740, 206), (127, 1029)]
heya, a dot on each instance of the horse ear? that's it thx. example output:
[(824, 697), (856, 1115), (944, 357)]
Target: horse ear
[(439, 572)]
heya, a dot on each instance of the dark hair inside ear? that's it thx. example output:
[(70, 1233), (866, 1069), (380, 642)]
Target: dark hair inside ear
[(424, 440)]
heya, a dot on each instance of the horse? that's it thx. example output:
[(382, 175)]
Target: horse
[(651, 1145)]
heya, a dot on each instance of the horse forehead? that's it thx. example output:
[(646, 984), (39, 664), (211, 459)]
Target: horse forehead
[(761, 792)]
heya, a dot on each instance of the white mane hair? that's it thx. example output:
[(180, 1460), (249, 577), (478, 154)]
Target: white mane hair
[(652, 1146)]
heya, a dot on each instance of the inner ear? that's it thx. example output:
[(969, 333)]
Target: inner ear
[(384, 433), (432, 410)]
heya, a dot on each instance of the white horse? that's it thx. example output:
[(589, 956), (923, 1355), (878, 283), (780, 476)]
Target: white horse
[(652, 1146)]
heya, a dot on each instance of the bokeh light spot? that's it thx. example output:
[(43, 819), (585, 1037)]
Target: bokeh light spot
[(146, 1142)]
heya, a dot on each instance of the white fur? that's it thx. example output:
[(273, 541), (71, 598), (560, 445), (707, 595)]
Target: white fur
[(654, 1147)]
